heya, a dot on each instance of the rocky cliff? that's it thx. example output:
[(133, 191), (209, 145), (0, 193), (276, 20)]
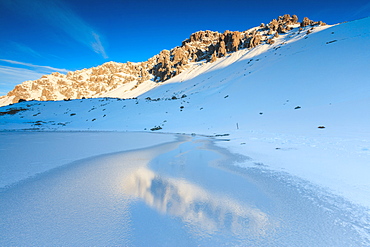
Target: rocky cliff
[(202, 45)]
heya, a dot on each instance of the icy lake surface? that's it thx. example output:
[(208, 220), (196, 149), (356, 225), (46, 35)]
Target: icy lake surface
[(181, 193)]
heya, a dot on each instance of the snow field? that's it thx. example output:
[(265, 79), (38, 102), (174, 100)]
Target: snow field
[(26, 154), (270, 99)]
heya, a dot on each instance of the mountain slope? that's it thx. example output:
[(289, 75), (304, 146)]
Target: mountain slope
[(300, 71), (270, 99), (126, 80)]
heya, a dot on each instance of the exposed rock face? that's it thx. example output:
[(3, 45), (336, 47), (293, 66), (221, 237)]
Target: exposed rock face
[(305, 22), (270, 41), (80, 83), (202, 45), (255, 40)]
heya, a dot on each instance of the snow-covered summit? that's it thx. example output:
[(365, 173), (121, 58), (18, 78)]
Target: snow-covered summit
[(127, 80)]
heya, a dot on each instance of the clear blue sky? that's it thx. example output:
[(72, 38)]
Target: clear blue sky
[(41, 36)]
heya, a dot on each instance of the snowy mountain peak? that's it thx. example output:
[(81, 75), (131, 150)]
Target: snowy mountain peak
[(126, 80)]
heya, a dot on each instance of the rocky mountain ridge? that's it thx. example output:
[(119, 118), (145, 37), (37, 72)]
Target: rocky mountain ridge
[(200, 46)]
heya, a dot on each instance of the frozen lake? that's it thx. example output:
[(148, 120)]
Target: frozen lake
[(177, 193)]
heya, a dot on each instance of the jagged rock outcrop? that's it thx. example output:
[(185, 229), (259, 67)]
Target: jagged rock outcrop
[(202, 45), (81, 83), (307, 22)]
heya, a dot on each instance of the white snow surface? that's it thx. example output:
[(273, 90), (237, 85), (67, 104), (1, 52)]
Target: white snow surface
[(26, 154), (269, 100)]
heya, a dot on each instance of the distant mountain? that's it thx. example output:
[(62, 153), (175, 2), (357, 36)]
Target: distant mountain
[(309, 76), (127, 80)]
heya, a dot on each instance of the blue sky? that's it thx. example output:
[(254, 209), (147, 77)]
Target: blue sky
[(41, 36)]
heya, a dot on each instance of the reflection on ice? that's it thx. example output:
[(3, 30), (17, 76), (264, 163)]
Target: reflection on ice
[(203, 211), (177, 198)]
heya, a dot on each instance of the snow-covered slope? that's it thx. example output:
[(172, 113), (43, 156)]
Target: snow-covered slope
[(300, 105), (125, 80)]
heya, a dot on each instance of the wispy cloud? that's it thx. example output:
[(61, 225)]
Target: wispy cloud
[(59, 15), (18, 74), (15, 72), (25, 49), (11, 76), (48, 69)]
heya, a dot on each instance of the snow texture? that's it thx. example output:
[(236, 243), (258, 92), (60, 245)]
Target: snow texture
[(27, 154), (182, 193), (299, 106)]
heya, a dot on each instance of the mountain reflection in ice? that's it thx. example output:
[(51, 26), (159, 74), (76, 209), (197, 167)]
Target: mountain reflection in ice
[(205, 212)]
